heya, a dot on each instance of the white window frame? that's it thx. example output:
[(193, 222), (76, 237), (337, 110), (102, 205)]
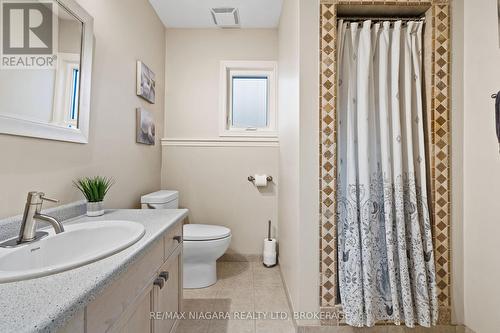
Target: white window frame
[(66, 63), (229, 69)]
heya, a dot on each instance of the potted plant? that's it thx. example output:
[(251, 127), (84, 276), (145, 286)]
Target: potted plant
[(94, 189)]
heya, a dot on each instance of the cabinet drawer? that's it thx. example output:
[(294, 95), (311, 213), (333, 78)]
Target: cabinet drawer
[(108, 307), (172, 239)]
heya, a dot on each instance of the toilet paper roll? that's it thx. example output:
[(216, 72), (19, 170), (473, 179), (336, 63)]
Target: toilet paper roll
[(260, 180), (269, 254)]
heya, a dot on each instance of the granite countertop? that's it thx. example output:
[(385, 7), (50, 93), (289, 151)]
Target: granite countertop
[(45, 304)]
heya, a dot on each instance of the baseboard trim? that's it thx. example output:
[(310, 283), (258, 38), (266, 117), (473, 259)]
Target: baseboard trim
[(289, 300), (377, 329), (237, 257)]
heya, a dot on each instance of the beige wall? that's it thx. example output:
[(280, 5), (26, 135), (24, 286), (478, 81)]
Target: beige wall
[(481, 167), (69, 36), (213, 184), (289, 157), (17, 84), (193, 63), (309, 156), (299, 160), (125, 31), (212, 180)]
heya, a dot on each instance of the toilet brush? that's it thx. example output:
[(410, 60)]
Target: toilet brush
[(269, 230), (269, 255)]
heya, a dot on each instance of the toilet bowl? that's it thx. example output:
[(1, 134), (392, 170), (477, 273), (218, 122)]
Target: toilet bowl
[(202, 244)]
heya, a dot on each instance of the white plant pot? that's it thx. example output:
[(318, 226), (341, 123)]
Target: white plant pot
[(95, 208)]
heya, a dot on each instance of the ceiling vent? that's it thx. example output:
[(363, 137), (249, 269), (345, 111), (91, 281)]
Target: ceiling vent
[(225, 17)]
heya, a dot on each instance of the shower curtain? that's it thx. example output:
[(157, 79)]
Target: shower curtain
[(386, 260)]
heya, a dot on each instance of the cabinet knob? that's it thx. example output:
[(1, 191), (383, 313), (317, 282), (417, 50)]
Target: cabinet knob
[(178, 238), (164, 275), (160, 282)]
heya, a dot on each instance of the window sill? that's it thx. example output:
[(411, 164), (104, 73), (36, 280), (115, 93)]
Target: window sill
[(249, 134), (222, 142)]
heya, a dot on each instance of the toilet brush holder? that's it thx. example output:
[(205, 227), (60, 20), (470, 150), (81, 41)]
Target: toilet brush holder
[(269, 255)]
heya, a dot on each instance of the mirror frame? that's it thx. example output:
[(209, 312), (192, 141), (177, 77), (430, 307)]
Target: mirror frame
[(14, 126)]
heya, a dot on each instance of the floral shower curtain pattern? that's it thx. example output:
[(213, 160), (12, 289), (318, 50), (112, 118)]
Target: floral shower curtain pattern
[(386, 258)]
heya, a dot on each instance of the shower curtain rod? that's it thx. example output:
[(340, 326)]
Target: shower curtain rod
[(379, 19)]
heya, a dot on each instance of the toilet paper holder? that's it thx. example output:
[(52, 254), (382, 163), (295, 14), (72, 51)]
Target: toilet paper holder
[(252, 178)]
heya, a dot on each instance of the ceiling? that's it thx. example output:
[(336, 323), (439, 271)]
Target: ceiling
[(196, 13)]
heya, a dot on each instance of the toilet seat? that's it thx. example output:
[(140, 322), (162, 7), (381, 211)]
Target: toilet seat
[(205, 232)]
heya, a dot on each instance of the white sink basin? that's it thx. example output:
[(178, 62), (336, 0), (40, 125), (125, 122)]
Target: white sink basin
[(78, 245)]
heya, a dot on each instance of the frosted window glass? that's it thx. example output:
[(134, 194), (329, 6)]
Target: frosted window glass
[(249, 102)]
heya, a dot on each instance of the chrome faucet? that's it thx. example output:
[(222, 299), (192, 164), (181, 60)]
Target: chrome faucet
[(32, 213)]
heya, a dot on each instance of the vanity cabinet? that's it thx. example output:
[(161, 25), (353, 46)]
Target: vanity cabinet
[(153, 284)]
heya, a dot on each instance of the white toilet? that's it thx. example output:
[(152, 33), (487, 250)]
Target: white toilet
[(203, 243)]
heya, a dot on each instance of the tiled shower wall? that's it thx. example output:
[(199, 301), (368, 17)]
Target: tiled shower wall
[(438, 138)]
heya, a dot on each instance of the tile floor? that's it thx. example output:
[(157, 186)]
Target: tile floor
[(243, 289)]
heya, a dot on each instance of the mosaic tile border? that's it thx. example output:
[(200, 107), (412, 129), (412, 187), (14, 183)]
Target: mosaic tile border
[(328, 155), (439, 138)]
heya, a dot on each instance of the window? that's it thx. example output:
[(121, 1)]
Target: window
[(248, 99), (67, 86), (249, 102), (73, 105)]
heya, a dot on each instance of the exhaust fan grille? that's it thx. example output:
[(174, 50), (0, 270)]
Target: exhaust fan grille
[(225, 17)]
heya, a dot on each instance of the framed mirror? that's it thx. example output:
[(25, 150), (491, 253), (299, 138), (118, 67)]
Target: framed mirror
[(45, 69)]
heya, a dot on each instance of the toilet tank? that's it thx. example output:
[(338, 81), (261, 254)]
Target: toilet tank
[(160, 200)]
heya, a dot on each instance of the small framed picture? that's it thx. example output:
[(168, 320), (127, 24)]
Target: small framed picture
[(145, 123), (145, 82)]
